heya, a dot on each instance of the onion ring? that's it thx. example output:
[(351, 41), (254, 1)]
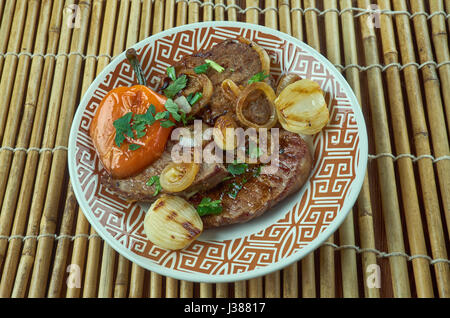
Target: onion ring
[(242, 98), (263, 56)]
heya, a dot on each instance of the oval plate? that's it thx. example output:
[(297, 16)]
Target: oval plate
[(284, 234)]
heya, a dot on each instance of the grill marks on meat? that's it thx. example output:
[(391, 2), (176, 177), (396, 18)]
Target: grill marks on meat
[(240, 61), (261, 193)]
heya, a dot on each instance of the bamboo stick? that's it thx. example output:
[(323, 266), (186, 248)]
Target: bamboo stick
[(27, 182), (12, 127), (2, 4), (6, 85), (365, 219), (207, 12), (82, 225), (145, 26), (231, 12), (92, 266), (122, 278), (186, 289), (252, 14), (346, 231), (240, 289), (440, 42), (5, 29), (206, 290), (49, 216), (158, 17), (219, 11), (285, 19), (422, 146), (62, 249), (388, 188), (193, 12), (221, 290), (407, 180), (297, 20), (29, 248), (270, 16), (79, 252), (181, 13), (435, 109), (255, 288), (169, 16)]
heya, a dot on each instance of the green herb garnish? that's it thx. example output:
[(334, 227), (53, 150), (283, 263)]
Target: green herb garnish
[(141, 120), (176, 86), (195, 98), (162, 115), (134, 147), (215, 66), (208, 206), (201, 68), (155, 181), (173, 109), (258, 77), (204, 67), (167, 123), (171, 73), (236, 168), (123, 127)]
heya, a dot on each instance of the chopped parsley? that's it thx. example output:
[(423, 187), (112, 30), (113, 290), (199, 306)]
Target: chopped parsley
[(176, 86), (208, 206), (258, 77), (155, 181), (215, 66), (171, 73), (209, 63), (167, 123), (201, 68), (140, 121), (173, 109), (236, 168), (123, 128), (254, 152), (134, 147), (194, 98)]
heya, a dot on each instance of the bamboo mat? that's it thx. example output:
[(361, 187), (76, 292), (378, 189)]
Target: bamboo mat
[(394, 243)]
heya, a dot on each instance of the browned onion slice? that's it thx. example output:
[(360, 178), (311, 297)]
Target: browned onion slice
[(286, 80), (243, 99)]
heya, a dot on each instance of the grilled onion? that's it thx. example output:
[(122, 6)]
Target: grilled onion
[(263, 56), (250, 96), (177, 177), (172, 223), (230, 89), (301, 108), (224, 132), (206, 87)]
